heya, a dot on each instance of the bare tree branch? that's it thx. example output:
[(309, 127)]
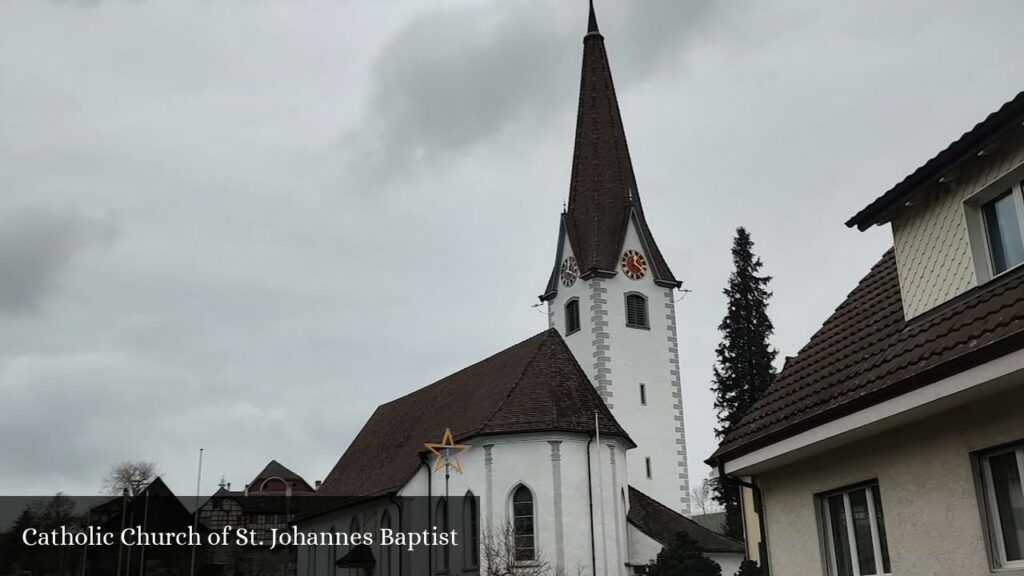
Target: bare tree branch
[(131, 476)]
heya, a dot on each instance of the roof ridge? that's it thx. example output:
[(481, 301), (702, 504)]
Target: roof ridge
[(463, 369)]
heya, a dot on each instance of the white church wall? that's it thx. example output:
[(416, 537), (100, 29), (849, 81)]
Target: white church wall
[(642, 548), (730, 563), (554, 467)]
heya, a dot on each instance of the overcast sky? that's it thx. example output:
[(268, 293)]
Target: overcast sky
[(241, 225)]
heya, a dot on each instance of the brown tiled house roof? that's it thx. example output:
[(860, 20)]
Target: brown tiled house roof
[(533, 386), (603, 195), (866, 352), (663, 524)]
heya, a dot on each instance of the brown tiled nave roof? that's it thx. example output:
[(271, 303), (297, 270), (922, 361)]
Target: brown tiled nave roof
[(533, 386)]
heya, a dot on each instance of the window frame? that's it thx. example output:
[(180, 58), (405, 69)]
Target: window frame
[(977, 227), (995, 545), (646, 309), (442, 554), (579, 324), (533, 522), (826, 535), (471, 516), (386, 561)]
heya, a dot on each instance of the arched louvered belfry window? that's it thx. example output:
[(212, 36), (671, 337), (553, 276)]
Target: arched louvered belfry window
[(523, 525), (471, 529), (636, 310), (572, 316)]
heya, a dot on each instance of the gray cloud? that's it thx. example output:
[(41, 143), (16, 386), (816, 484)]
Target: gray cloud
[(440, 87), (35, 248)]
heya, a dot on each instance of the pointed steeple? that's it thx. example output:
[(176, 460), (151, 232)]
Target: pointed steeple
[(603, 193)]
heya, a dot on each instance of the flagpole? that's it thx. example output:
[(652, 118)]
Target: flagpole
[(195, 514)]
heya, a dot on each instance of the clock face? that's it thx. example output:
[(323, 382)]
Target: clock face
[(634, 265), (570, 271)]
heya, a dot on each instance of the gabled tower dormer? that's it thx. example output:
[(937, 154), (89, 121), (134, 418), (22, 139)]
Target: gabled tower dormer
[(611, 292)]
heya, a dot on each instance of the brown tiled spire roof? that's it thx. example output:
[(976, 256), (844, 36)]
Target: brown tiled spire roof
[(534, 386), (603, 194)]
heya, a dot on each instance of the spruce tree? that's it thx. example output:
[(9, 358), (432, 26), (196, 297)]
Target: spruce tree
[(744, 367)]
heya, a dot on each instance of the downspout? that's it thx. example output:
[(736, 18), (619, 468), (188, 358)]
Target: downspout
[(590, 497), (762, 547)]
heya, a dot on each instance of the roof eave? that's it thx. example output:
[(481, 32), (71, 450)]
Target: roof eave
[(1006, 117), (921, 379)]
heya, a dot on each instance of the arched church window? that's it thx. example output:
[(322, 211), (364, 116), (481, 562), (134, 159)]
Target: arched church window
[(471, 528), (523, 525), (385, 551), (441, 552), (572, 316), (636, 311)]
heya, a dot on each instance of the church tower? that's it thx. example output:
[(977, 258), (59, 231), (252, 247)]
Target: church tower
[(611, 294)]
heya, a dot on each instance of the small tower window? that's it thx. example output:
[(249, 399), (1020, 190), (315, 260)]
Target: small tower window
[(636, 311), (647, 467), (643, 394), (572, 316)]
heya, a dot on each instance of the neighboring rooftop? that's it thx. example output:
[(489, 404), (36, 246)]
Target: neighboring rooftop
[(269, 479), (534, 386), (714, 521), (1008, 116), (663, 524), (866, 352)]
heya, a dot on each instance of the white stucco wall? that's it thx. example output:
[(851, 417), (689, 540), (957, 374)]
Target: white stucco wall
[(618, 359), (554, 467), (933, 251), (924, 473)]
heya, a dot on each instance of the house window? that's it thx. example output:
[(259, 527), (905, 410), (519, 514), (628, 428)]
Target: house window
[(522, 524), (1003, 495), (636, 311), (853, 527), (643, 394), (647, 467), (1002, 218), (572, 316)]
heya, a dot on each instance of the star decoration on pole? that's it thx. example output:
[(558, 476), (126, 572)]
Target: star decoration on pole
[(443, 452)]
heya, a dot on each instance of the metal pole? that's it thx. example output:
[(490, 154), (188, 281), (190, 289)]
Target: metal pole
[(120, 540), (195, 513), (145, 522)]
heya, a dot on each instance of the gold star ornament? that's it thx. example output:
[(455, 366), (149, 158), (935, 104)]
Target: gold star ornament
[(447, 453)]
